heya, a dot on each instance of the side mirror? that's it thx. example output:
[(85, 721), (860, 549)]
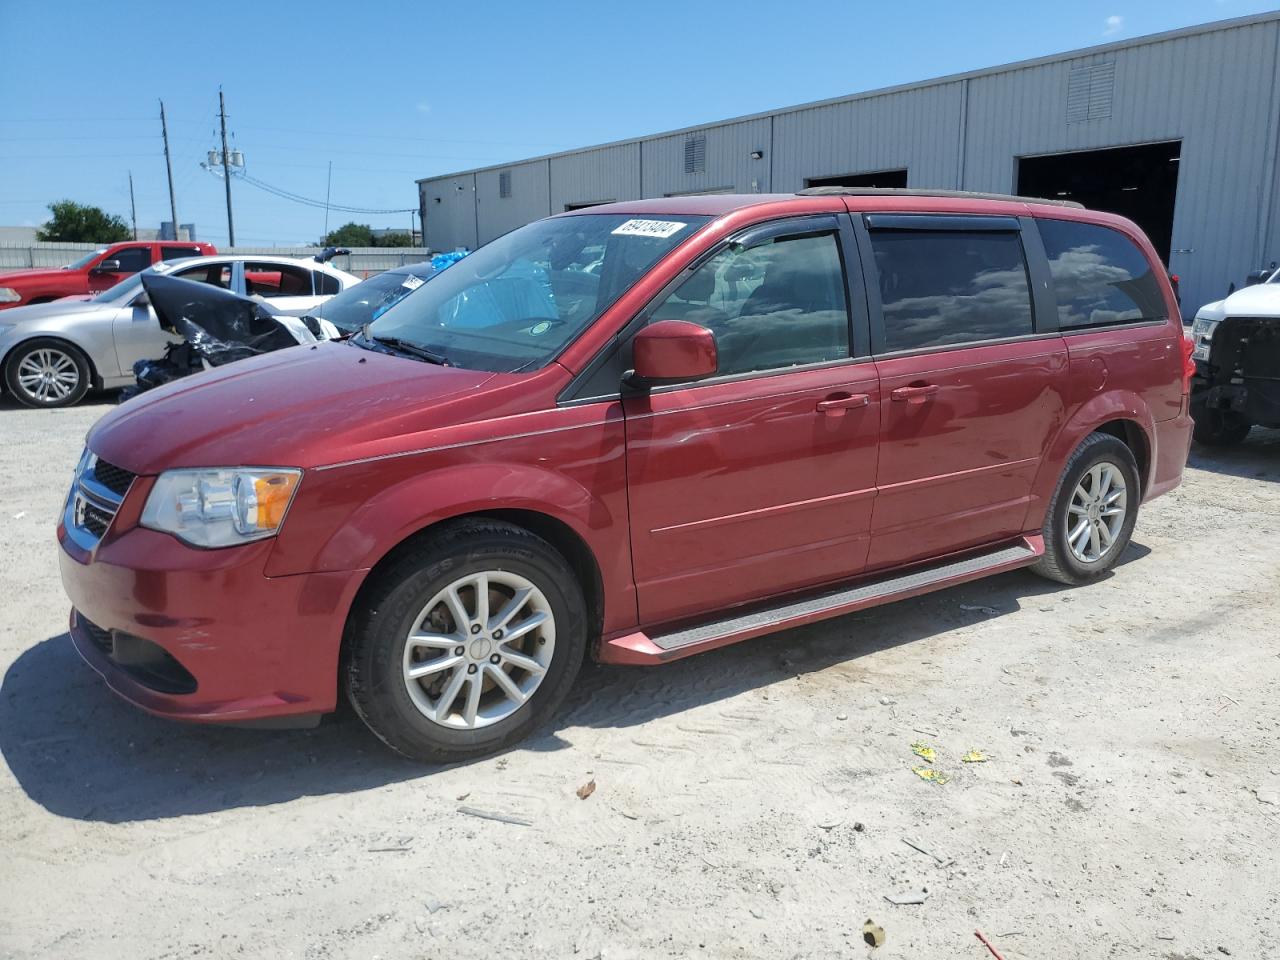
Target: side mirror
[(673, 350), (107, 266)]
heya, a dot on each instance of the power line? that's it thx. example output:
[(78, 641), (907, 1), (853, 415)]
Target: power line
[(297, 198)]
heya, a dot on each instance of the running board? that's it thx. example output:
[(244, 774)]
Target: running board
[(640, 648)]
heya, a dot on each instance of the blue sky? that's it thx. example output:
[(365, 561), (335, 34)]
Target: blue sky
[(394, 91)]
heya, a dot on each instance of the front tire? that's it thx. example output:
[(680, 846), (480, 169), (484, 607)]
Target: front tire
[(47, 373), (1091, 516), (1219, 428), (467, 641)]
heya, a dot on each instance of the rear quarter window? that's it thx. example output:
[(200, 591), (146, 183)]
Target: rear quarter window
[(1099, 276)]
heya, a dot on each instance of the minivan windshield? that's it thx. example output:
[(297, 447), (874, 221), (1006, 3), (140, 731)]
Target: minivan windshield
[(515, 302)]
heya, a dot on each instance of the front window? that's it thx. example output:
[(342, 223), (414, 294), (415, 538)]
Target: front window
[(85, 260), (515, 302)]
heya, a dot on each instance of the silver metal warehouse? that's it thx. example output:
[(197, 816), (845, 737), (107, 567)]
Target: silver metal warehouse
[(1178, 130)]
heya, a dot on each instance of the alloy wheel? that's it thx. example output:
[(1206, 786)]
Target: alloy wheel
[(479, 649), (47, 375), (1097, 511)]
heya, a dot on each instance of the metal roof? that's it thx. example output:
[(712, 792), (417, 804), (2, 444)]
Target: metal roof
[(1198, 29)]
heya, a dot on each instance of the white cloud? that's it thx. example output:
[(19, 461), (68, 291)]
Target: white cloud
[(423, 106), (1113, 25)]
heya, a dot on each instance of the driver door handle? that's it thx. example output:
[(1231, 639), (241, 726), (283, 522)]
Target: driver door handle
[(836, 406), (914, 394)]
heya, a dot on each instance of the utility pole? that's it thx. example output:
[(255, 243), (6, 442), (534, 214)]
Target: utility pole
[(226, 168), (328, 187), (168, 163), (133, 207)]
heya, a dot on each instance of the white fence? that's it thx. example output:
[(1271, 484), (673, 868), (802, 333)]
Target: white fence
[(362, 261)]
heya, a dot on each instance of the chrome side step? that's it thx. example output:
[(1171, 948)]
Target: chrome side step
[(639, 648)]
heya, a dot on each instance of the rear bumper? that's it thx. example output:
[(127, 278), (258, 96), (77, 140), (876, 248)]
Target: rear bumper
[(233, 645)]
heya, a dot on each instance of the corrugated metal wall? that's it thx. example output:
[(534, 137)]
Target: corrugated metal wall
[(1215, 88), (593, 176)]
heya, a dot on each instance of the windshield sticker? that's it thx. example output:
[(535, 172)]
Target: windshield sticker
[(540, 328), (412, 282), (649, 228)]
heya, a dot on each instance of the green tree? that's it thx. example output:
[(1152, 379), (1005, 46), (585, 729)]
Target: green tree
[(349, 235), (78, 223), (395, 240)]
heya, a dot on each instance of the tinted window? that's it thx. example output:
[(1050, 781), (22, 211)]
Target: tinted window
[(272, 280), (778, 304), (327, 284), (1099, 276), (132, 259), (947, 287), (215, 274), (177, 253)]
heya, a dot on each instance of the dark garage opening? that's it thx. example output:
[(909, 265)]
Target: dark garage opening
[(880, 178), (1136, 182)]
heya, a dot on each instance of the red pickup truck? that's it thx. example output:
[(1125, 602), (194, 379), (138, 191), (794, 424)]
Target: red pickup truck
[(94, 271)]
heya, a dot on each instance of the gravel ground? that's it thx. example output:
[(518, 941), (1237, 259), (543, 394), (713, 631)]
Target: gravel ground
[(750, 802)]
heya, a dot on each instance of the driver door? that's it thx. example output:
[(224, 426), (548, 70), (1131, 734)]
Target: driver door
[(130, 261)]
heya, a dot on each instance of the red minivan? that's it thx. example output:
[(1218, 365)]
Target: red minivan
[(634, 432)]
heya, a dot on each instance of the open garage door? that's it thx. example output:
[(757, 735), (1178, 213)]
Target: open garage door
[(1136, 182), (879, 178)]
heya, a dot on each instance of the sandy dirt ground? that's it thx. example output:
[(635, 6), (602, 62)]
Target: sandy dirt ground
[(751, 802)]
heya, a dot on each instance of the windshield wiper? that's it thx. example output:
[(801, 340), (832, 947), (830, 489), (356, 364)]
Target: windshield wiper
[(407, 347)]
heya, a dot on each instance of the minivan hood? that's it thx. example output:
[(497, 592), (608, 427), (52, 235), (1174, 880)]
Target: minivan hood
[(303, 406)]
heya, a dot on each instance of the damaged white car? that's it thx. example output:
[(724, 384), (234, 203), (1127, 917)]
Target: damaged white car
[(1237, 357)]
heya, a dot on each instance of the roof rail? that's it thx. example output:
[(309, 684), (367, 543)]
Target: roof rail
[(912, 192)]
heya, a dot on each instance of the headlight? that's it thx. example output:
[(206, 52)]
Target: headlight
[(221, 507), (1202, 335), (9, 295)]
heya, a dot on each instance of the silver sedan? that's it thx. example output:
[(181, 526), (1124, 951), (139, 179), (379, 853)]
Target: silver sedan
[(51, 354)]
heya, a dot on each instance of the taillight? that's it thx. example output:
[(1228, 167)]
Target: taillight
[(1188, 364)]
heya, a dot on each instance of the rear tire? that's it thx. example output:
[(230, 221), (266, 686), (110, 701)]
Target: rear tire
[(45, 372), (472, 600), (1219, 428), (1083, 535)]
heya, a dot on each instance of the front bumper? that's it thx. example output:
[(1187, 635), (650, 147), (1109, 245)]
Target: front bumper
[(254, 647)]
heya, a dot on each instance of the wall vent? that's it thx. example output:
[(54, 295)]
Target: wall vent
[(504, 184), (1089, 91), (695, 153)]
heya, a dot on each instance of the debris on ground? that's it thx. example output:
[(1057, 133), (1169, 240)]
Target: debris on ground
[(463, 796), (858, 826), (587, 789), (872, 933), (987, 943), (941, 861), (989, 611), (500, 817), (829, 824), (932, 775), (20, 514), (1267, 796), (924, 751), (908, 897), (974, 756), (842, 716)]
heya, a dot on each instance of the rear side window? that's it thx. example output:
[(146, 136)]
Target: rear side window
[(326, 284), (1099, 275), (175, 253), (950, 287), (271, 280)]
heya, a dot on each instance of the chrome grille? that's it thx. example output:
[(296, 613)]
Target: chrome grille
[(92, 504)]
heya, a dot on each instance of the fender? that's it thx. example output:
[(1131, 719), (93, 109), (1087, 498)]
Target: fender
[(1100, 409), (415, 492)]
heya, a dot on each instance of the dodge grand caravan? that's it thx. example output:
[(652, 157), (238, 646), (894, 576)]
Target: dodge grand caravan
[(634, 432)]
